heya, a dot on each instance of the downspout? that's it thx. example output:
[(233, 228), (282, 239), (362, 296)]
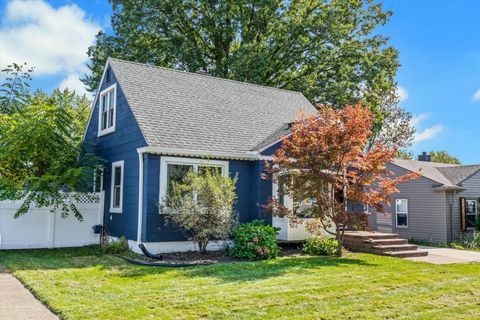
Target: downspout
[(450, 203), (140, 196)]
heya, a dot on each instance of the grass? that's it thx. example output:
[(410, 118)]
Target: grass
[(87, 284)]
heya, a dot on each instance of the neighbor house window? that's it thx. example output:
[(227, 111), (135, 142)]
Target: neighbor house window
[(471, 213), (107, 107), (401, 210), (175, 170), (116, 196)]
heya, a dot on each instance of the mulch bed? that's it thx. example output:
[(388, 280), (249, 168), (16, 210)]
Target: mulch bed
[(194, 258)]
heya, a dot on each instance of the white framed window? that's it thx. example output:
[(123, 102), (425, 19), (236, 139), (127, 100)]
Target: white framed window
[(175, 169), (279, 192), (401, 213), (116, 194), (471, 212), (107, 110), (302, 208)]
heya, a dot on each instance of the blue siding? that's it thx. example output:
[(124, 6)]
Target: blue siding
[(271, 150), (252, 191), (119, 145)]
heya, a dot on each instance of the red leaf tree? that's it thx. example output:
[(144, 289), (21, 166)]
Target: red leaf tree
[(324, 163)]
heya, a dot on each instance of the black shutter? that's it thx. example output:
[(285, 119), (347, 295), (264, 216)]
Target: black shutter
[(463, 212)]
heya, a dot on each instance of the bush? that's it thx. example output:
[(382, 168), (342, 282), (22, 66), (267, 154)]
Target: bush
[(201, 205), (116, 246), (468, 241), (255, 241), (320, 246)]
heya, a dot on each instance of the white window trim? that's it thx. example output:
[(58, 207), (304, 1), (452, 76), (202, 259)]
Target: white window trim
[(287, 203), (117, 164), (103, 93), (471, 214), (397, 212), (165, 161)]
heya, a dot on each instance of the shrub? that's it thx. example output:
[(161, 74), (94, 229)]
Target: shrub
[(255, 241), (468, 241), (116, 246), (201, 205), (320, 246)]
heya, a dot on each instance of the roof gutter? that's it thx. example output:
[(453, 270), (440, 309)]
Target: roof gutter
[(448, 188), (140, 196), (252, 156)]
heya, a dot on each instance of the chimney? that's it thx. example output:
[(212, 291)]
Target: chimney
[(424, 157)]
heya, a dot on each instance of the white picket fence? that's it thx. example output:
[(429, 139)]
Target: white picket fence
[(40, 228)]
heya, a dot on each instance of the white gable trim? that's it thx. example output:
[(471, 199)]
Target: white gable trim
[(92, 107)]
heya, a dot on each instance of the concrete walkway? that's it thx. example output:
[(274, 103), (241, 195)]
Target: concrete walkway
[(17, 303), (447, 256)]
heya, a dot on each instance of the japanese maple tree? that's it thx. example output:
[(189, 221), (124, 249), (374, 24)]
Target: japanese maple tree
[(325, 163)]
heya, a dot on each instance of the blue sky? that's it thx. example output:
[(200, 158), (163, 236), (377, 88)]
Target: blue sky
[(439, 46)]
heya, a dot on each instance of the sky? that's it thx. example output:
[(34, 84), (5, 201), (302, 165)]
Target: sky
[(438, 41)]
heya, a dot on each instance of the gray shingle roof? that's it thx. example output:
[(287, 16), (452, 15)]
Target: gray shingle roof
[(459, 173), (444, 173), (176, 109)]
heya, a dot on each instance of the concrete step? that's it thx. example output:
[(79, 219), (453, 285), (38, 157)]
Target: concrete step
[(376, 242), (406, 254), (369, 235), (395, 247)]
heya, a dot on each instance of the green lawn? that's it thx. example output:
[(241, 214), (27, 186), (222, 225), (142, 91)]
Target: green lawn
[(85, 284)]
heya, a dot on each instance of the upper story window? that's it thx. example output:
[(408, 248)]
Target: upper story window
[(107, 108)]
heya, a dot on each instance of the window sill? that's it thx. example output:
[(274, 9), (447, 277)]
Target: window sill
[(115, 210), (106, 131)]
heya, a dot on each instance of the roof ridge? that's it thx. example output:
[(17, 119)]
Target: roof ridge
[(205, 75)]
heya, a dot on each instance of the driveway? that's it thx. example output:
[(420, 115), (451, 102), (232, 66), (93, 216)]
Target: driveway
[(17, 303), (447, 256)]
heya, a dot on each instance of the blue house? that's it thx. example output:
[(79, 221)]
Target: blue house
[(154, 124)]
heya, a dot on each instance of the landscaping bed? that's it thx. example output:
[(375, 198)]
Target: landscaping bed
[(194, 258)]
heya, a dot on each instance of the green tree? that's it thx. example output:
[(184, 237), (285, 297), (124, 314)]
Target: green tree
[(329, 50), (14, 91), (41, 159), (405, 155), (202, 206), (443, 156)]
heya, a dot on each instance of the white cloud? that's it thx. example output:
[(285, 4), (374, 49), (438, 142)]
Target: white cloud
[(402, 93), (53, 40), (476, 96), (416, 120), (73, 82), (428, 133)]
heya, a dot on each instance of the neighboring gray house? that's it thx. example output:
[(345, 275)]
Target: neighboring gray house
[(438, 207)]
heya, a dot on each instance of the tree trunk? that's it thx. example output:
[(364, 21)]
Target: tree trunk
[(202, 247), (340, 234)]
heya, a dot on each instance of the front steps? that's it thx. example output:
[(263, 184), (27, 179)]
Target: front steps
[(387, 244)]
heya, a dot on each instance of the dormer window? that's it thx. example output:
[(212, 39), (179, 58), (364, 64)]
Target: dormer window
[(107, 107)]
